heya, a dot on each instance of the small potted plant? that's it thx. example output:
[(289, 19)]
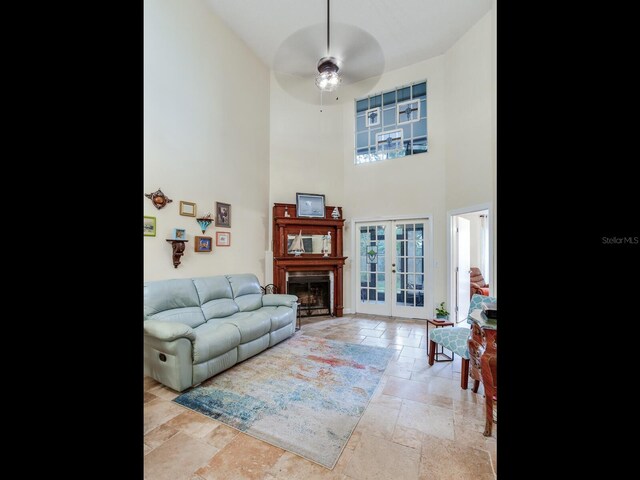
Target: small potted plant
[(442, 312)]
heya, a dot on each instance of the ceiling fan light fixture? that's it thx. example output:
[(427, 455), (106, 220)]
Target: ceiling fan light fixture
[(328, 78)]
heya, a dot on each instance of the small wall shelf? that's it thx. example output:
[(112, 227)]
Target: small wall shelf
[(178, 250)]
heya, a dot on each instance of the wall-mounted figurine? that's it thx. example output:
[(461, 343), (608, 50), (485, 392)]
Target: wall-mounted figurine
[(158, 199)]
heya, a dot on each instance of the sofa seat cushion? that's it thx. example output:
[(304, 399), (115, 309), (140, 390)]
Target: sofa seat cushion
[(252, 325), (213, 340), (280, 316)]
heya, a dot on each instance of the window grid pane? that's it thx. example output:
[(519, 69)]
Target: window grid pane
[(414, 133)]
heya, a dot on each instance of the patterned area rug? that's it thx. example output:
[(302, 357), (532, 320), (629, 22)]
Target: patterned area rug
[(305, 394)]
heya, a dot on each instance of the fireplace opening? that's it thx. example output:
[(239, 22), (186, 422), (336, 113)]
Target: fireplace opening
[(313, 290)]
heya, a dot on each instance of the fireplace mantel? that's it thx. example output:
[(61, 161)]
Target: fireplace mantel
[(283, 262)]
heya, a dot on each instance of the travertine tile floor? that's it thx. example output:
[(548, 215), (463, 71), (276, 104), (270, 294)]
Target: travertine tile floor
[(420, 425)]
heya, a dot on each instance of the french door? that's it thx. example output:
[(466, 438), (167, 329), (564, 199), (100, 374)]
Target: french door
[(392, 261)]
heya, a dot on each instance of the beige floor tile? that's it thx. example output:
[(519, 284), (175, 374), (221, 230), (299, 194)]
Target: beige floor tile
[(194, 424), (378, 420), (378, 459), (404, 362), (375, 342), (413, 352), (406, 341), (293, 467), (409, 437), (446, 460), (368, 332), (221, 436), (415, 391), (159, 411), (438, 370), (149, 382), (388, 401), (244, 458), (395, 347), (177, 458), (429, 419), (473, 437), (148, 397), (398, 371), (396, 332), (163, 392), (159, 435)]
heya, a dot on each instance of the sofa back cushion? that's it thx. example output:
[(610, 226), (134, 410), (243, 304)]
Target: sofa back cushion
[(216, 297), (246, 291), (173, 301)]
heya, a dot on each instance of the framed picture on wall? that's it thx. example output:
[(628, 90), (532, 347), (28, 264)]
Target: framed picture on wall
[(188, 209), (149, 226), (223, 239), (310, 205), (203, 244), (179, 234), (223, 215)]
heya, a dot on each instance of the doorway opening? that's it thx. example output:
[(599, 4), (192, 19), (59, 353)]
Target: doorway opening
[(469, 248)]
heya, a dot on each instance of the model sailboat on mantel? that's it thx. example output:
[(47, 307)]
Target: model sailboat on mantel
[(296, 246)]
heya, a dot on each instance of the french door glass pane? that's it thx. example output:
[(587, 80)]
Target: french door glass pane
[(372, 264), (410, 264)]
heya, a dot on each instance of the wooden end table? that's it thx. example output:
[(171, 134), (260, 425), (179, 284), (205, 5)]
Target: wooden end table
[(439, 323)]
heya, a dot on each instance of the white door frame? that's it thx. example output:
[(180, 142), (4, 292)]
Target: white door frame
[(450, 248), (428, 292)]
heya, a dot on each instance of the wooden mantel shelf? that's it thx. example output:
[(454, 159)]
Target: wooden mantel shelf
[(313, 222), (284, 262)]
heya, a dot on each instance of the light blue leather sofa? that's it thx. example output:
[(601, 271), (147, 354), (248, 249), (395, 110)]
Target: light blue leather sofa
[(194, 328)]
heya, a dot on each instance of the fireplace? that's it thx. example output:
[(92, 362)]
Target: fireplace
[(315, 274), (313, 290)]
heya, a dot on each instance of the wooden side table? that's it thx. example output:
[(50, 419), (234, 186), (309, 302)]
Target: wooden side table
[(439, 323)]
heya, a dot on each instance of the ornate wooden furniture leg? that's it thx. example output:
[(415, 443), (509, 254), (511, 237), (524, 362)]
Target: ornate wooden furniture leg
[(483, 352), (476, 349), (489, 379)]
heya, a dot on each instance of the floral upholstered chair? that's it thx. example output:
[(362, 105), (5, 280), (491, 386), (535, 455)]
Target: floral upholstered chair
[(455, 339)]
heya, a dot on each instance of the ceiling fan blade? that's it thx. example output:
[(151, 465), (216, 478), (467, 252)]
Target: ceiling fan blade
[(358, 53), (299, 53)]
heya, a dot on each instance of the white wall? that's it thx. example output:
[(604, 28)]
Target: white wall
[(469, 117), (206, 138), (305, 154), (470, 72), (412, 185)]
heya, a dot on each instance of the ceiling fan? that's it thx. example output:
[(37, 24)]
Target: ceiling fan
[(310, 66)]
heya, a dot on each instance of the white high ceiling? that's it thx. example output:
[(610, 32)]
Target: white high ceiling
[(407, 31)]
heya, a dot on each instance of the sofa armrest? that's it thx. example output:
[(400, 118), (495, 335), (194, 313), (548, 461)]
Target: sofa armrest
[(168, 331), (279, 299)]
